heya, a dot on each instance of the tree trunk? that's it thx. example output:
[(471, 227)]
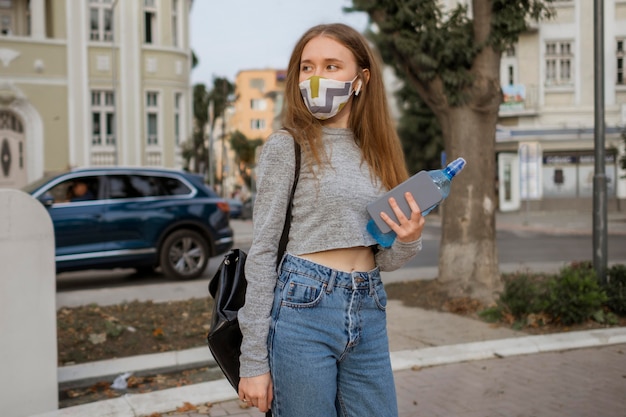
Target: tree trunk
[(468, 260)]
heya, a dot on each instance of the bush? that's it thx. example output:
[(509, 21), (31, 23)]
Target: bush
[(569, 297), (523, 294), (574, 295), (615, 288)]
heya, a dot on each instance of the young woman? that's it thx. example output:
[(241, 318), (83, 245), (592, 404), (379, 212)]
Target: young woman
[(314, 326)]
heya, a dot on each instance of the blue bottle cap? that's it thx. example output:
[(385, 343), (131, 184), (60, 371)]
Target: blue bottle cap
[(455, 167)]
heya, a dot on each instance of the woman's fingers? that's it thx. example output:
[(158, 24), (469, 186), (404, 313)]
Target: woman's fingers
[(407, 229)]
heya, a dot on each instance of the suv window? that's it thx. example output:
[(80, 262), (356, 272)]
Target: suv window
[(133, 186), (75, 189)]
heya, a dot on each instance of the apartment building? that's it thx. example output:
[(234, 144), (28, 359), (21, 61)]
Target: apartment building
[(545, 139), (258, 104), (91, 83)]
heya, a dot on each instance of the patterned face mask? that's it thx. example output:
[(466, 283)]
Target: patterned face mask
[(325, 97)]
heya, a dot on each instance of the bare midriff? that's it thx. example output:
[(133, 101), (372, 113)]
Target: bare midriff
[(348, 259)]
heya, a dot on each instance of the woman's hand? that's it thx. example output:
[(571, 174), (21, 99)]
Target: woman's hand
[(257, 391), (408, 230)]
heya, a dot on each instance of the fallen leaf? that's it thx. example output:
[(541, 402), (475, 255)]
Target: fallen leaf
[(187, 407)]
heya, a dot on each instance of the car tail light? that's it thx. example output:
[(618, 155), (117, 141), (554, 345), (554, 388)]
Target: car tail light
[(223, 206)]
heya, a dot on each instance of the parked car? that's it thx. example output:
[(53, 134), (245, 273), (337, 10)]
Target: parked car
[(234, 207), (248, 205), (139, 218)]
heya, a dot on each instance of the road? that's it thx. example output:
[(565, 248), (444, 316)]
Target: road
[(514, 248), (524, 247)]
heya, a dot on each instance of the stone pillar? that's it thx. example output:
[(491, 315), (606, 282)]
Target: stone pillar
[(38, 19), (28, 343)]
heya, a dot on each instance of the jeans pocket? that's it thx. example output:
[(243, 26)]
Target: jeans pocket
[(380, 296), (302, 291)]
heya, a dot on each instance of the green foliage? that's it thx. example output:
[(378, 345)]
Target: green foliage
[(523, 295), (419, 132), (574, 295), (196, 149), (426, 42), (245, 149), (615, 288), (113, 329), (511, 18), (200, 104), (491, 314), (220, 95), (194, 59), (622, 160)]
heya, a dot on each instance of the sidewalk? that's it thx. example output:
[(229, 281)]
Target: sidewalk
[(447, 365)]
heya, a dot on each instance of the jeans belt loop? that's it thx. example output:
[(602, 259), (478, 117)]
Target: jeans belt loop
[(371, 282), (331, 281)]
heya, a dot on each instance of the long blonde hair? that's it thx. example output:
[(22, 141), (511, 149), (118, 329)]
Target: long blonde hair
[(370, 121)]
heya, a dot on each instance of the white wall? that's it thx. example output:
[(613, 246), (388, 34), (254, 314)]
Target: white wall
[(28, 343)]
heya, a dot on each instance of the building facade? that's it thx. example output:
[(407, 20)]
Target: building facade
[(545, 139), (258, 104), (92, 83)]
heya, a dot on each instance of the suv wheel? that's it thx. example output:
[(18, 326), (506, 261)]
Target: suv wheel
[(184, 255)]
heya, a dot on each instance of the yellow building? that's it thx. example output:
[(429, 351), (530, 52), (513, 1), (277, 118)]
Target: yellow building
[(92, 82), (259, 95)]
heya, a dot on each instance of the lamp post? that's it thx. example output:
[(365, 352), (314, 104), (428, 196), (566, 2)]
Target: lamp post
[(599, 178), (211, 162)]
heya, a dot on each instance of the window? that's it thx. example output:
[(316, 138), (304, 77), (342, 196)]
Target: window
[(258, 104), (5, 25), (134, 186), (559, 63), (620, 54), (8, 121), (102, 118), (257, 124), (7, 18), (101, 20), (75, 190), (257, 84), (175, 22), (149, 21), (152, 118), (177, 101), (172, 186)]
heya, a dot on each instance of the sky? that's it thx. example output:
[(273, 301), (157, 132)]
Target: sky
[(229, 36)]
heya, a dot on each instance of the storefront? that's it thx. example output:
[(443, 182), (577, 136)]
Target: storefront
[(535, 175)]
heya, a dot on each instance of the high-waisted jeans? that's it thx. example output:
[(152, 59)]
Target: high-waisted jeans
[(328, 345)]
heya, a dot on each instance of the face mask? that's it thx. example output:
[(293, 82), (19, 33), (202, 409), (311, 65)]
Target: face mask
[(325, 97)]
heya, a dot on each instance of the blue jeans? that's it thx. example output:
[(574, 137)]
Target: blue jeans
[(328, 346)]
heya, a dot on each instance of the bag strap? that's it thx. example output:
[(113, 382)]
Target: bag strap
[(284, 238)]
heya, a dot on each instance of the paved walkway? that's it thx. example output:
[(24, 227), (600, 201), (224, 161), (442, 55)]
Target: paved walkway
[(447, 365), (582, 382)]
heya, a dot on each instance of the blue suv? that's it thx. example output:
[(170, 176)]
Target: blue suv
[(134, 218)]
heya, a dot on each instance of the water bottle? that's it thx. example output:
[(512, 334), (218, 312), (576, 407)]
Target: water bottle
[(442, 179)]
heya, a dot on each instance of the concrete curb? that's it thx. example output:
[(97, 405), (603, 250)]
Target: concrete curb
[(443, 355), (133, 405), (141, 363)]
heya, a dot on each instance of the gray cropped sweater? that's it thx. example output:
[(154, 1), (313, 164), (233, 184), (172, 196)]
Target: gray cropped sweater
[(328, 213)]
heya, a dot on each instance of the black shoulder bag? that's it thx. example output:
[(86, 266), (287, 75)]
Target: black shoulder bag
[(228, 289)]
